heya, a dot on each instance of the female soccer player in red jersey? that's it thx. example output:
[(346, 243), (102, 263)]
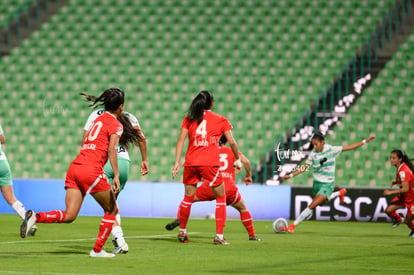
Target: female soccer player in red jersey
[(405, 194), (202, 162), (85, 175), (233, 196)]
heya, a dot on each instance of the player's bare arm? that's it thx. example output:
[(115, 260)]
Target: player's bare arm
[(233, 146), (113, 159), (178, 151), (246, 164), (404, 189), (299, 171), (142, 143), (357, 144)]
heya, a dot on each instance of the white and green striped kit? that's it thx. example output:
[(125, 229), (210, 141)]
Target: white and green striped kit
[(324, 163), (5, 172)]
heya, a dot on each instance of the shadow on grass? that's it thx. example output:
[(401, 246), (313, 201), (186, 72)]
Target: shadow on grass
[(13, 255), (60, 250)]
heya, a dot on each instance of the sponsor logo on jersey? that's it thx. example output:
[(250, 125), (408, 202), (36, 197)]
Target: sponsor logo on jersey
[(89, 146), (119, 132), (402, 175)]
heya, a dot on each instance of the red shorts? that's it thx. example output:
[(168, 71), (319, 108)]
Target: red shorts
[(87, 179), (209, 174), (204, 193), (399, 200)]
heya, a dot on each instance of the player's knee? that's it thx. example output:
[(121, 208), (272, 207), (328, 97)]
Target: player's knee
[(241, 207), (69, 218), (242, 210), (113, 210)]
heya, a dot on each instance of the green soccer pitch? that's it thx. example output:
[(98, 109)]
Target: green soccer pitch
[(314, 248)]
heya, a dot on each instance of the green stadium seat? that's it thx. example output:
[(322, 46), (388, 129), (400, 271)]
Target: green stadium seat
[(390, 118), (169, 53)]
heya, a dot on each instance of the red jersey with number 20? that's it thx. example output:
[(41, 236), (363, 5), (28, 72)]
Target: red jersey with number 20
[(203, 137), (404, 174), (95, 146)]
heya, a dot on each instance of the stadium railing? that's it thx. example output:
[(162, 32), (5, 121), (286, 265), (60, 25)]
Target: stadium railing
[(313, 119), (23, 17)]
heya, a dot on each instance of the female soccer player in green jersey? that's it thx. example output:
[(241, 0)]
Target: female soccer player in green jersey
[(322, 158), (6, 184)]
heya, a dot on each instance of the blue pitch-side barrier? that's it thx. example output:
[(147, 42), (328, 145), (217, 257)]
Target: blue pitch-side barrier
[(151, 200)]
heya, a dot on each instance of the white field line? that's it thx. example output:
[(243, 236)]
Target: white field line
[(89, 239), (43, 273)]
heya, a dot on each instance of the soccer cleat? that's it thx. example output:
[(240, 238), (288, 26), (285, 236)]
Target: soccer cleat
[(172, 224), (182, 237), (28, 223), (411, 234), (101, 254), (395, 223), (342, 193), (119, 248), (218, 240), (33, 231), (291, 228), (254, 238)]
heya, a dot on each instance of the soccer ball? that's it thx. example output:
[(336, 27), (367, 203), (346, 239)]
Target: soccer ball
[(210, 216), (280, 225)]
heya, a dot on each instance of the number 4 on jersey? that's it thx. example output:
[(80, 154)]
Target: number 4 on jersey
[(202, 129)]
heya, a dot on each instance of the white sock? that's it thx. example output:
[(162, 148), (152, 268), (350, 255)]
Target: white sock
[(118, 235), (333, 195), (304, 215), (19, 208), (183, 230), (118, 218), (221, 236)]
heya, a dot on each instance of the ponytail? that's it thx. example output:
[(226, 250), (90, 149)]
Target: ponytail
[(203, 101), (129, 135), (110, 99)]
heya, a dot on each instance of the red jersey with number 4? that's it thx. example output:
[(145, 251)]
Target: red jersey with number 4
[(203, 137), (95, 146), (404, 174)]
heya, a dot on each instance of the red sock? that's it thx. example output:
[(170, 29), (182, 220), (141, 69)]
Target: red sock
[(246, 219), (185, 210), (104, 230), (395, 216), (50, 217), (221, 214)]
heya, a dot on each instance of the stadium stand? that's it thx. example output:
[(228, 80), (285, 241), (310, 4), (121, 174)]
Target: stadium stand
[(265, 61), (7, 7), (384, 110)]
